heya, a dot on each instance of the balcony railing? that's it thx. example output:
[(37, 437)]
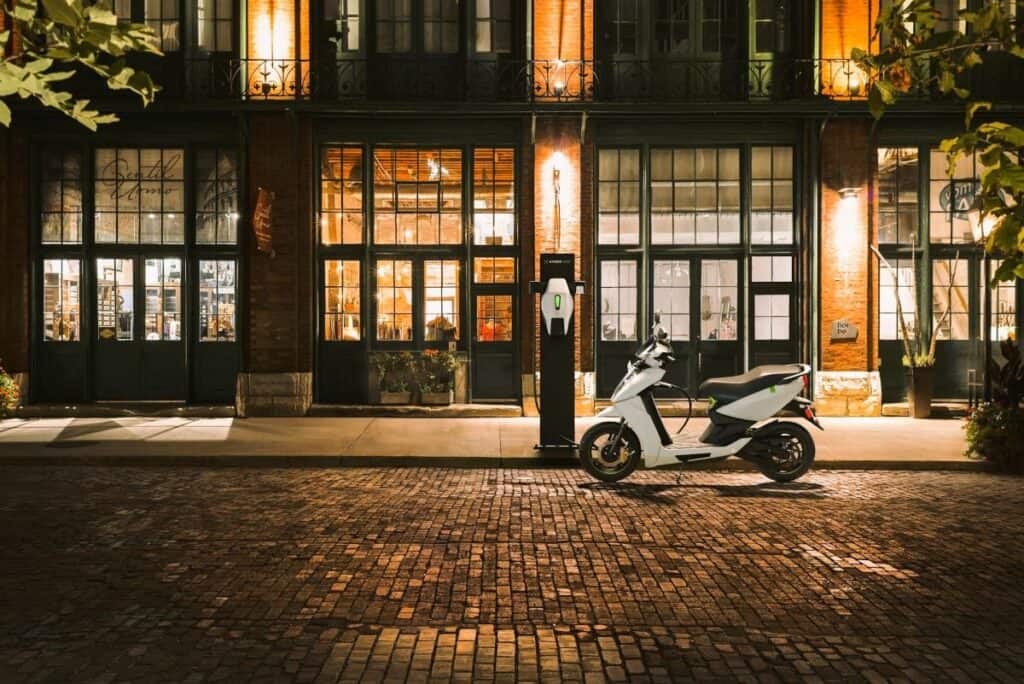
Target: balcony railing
[(449, 79)]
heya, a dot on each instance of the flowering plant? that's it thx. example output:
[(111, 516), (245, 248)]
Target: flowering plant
[(9, 392)]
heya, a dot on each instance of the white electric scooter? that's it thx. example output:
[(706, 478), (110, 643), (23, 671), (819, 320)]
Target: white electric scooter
[(741, 409)]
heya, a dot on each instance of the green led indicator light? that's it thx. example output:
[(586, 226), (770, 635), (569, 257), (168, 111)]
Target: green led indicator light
[(558, 301)]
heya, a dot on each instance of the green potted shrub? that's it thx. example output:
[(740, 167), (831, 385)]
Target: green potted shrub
[(995, 430), (9, 393), (393, 370), (435, 377)]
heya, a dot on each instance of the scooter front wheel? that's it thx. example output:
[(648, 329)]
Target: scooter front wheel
[(606, 459)]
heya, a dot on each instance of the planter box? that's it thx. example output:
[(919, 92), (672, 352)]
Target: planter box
[(919, 392), (395, 397), (436, 398)]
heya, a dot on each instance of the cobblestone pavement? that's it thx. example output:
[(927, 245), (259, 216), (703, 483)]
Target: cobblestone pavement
[(473, 575)]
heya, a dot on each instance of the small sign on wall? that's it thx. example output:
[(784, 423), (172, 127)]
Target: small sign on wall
[(261, 221), (843, 331)]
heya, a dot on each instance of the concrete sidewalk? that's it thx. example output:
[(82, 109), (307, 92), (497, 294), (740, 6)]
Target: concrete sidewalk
[(865, 443)]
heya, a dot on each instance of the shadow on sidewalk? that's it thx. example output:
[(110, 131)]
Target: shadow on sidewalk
[(652, 493)]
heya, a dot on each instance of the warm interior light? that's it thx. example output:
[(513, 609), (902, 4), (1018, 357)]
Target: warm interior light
[(848, 193), (981, 228)]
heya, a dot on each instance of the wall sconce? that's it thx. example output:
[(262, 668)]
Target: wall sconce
[(556, 184), (848, 193)]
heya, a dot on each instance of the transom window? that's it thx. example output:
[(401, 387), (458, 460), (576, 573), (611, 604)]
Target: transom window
[(215, 21), (494, 270), (417, 196), (695, 196), (771, 269), (62, 197), (140, 196), (216, 196), (950, 199), (618, 197), (897, 195), (905, 288), (341, 196), (771, 210), (494, 196)]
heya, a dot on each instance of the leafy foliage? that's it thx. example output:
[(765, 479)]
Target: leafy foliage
[(9, 392), (995, 430), (434, 372), (1007, 379), (917, 55), (393, 370), (47, 48)]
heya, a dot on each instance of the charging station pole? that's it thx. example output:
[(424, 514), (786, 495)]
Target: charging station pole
[(557, 288)]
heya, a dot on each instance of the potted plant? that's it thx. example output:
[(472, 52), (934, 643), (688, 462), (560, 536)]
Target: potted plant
[(918, 349), (440, 329), (392, 370), (995, 430), (9, 393), (435, 375)]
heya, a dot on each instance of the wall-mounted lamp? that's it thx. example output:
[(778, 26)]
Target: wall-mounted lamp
[(556, 186), (848, 193)]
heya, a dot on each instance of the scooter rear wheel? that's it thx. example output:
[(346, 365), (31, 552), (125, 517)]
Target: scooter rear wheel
[(788, 451), (605, 460)]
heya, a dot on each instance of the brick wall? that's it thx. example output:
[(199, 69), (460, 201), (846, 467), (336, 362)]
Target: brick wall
[(847, 273), (14, 236), (563, 29), (281, 295), (527, 323)]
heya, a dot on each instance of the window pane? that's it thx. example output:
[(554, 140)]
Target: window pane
[(493, 270), (771, 317), (441, 300), (949, 299), (951, 198), (494, 196), (619, 197), (618, 300), (115, 303), (163, 299), (1003, 312), (342, 305), (898, 282), (61, 280), (341, 196), (494, 318), (394, 300), (772, 195), (216, 188), (719, 300), (217, 300), (672, 297)]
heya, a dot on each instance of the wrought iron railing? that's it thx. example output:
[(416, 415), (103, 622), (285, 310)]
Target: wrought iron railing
[(454, 79)]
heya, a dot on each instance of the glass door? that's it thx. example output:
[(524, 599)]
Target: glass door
[(719, 346), (618, 334)]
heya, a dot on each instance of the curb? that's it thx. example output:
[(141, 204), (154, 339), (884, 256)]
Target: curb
[(337, 461)]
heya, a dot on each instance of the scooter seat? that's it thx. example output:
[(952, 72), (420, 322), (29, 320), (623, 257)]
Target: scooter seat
[(733, 387)]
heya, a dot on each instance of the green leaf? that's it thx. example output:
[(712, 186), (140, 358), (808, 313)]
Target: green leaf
[(876, 105), (37, 66), (64, 12), (946, 81), (5, 114), (973, 108)]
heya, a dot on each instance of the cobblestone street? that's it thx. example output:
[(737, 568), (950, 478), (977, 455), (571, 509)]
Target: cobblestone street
[(115, 574)]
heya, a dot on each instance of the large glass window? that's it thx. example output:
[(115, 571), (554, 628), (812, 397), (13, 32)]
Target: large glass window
[(494, 270), (621, 17), (493, 25), (672, 27), (771, 210), (61, 196), (672, 297), (163, 299), (215, 22), (897, 195), (441, 300), (216, 184), (163, 17), (115, 299), (343, 16), (494, 318), (949, 292), (441, 26), (618, 197), (341, 196), (695, 196), (217, 300), (951, 198), (719, 299), (494, 196), (764, 26), (771, 269), (61, 280), (341, 300), (618, 300), (889, 288), (394, 25), (417, 196), (140, 196), (394, 300)]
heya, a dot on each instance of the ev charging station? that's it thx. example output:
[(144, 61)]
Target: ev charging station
[(557, 409)]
